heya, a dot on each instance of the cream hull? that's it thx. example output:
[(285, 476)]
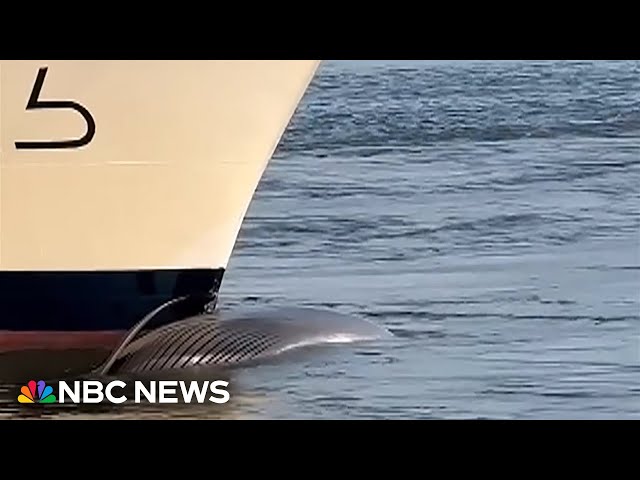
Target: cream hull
[(147, 170), (178, 150)]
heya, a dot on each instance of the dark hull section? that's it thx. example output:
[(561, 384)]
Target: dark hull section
[(73, 302)]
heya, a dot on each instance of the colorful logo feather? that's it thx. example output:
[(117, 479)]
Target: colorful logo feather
[(36, 392)]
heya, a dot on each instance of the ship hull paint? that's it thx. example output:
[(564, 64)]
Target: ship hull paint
[(72, 308), (135, 165), (47, 340)]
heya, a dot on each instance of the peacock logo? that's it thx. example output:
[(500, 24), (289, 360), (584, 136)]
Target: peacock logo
[(44, 393)]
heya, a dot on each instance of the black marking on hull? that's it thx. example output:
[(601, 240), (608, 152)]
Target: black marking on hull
[(100, 300)]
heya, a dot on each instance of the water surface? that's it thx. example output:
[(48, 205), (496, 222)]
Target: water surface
[(488, 213)]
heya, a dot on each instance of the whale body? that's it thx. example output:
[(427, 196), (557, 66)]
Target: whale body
[(224, 340)]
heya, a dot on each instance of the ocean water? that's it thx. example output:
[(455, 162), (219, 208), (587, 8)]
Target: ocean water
[(487, 213)]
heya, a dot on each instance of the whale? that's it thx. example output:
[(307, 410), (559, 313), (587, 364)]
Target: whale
[(235, 338)]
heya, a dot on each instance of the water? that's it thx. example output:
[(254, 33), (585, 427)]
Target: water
[(488, 213)]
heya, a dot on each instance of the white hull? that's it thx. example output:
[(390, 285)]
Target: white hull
[(165, 182)]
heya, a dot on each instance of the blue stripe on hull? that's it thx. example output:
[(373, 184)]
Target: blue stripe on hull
[(95, 301)]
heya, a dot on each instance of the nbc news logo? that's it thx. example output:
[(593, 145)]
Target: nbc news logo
[(93, 391), (38, 392)]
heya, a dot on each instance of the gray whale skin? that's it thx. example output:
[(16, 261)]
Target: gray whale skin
[(231, 339)]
